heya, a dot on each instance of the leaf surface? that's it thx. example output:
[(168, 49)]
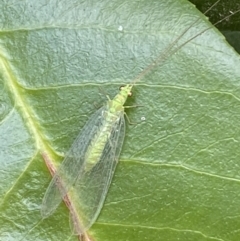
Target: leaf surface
[(178, 174)]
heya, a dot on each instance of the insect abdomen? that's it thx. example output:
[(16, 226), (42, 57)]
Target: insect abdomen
[(96, 148)]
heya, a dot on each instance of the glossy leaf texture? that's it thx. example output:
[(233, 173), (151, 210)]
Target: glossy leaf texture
[(178, 174)]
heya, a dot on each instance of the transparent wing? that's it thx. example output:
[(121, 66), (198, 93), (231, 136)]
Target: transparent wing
[(72, 165), (92, 186)]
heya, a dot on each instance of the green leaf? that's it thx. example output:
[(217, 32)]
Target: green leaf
[(178, 175)]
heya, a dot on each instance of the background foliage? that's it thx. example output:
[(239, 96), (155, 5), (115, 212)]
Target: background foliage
[(178, 175)]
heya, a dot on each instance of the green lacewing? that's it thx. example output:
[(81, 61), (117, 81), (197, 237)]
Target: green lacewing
[(88, 167)]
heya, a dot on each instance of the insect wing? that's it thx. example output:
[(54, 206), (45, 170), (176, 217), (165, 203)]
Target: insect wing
[(91, 188), (72, 165)]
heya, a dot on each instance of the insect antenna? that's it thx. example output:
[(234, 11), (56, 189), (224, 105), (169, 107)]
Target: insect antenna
[(171, 49)]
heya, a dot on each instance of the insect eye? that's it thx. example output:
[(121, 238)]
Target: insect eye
[(130, 94), (121, 87)]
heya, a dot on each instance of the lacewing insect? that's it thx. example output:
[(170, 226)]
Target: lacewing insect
[(88, 167)]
